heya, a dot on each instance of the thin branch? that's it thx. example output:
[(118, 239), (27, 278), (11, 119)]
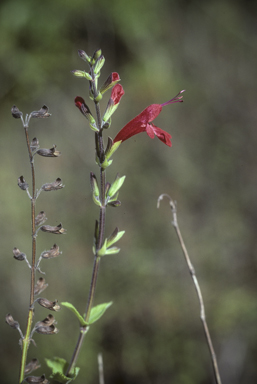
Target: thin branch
[(196, 284), (100, 368)]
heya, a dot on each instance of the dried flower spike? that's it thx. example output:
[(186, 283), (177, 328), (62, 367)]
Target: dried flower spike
[(58, 230), (54, 186)]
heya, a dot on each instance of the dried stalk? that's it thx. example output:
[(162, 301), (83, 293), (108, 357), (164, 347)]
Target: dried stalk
[(196, 284)]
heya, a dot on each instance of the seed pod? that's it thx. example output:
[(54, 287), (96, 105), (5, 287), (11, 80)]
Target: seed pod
[(37, 380), (42, 113), (52, 305), (41, 218), (18, 255), (32, 366), (16, 112), (10, 321), (49, 320), (22, 183), (49, 152), (53, 252), (54, 186), (40, 286), (58, 230), (34, 144), (47, 330)]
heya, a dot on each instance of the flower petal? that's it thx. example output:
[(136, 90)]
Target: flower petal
[(162, 135)]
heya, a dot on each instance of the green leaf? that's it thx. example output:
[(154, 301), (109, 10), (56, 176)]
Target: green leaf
[(102, 251), (113, 148), (116, 185), (59, 366), (98, 311), (112, 251), (114, 238), (76, 312)]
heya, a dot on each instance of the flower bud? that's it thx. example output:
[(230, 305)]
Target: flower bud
[(54, 186), (41, 218), (17, 114), (41, 114), (22, 183), (51, 305), (48, 152), (84, 109), (112, 79), (84, 56), (96, 55), (83, 74), (32, 366), (53, 252), (58, 230), (116, 95), (99, 64), (40, 286)]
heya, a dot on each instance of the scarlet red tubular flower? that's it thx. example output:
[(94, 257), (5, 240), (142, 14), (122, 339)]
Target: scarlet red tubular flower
[(117, 93), (143, 123)]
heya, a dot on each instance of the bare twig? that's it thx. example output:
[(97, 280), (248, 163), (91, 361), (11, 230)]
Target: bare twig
[(100, 368), (196, 284)]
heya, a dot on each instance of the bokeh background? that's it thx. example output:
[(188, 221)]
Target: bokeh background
[(152, 333)]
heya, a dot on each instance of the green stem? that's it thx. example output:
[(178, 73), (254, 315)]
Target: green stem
[(26, 339)]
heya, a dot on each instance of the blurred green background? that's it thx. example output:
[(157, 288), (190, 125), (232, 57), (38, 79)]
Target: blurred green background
[(152, 333)]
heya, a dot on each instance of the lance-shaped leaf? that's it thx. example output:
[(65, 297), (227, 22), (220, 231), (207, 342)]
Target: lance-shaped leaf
[(22, 183), (112, 251), (58, 230), (54, 186), (18, 255), (34, 144), (52, 305), (32, 366), (53, 252), (83, 74), (40, 218), (17, 114), (95, 189), (116, 185), (41, 114), (36, 380), (59, 367), (52, 152), (40, 286)]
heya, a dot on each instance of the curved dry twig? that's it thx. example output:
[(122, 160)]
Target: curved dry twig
[(196, 284)]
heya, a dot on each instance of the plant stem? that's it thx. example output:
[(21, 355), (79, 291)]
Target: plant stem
[(99, 241), (197, 287), (26, 339)]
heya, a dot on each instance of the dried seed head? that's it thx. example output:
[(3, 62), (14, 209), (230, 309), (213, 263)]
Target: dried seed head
[(37, 380), (32, 366), (16, 112), (54, 186), (58, 230), (34, 144), (42, 113), (10, 321), (18, 255), (41, 218), (49, 152), (40, 286), (52, 305), (53, 252), (22, 183), (47, 330), (49, 320)]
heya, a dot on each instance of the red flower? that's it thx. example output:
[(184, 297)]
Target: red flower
[(143, 123)]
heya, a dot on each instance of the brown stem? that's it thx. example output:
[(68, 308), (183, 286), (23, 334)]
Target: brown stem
[(26, 339), (197, 287)]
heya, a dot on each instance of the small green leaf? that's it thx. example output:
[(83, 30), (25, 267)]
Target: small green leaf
[(114, 238), (114, 148), (102, 251), (98, 311), (76, 312), (116, 185), (112, 251), (59, 366)]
